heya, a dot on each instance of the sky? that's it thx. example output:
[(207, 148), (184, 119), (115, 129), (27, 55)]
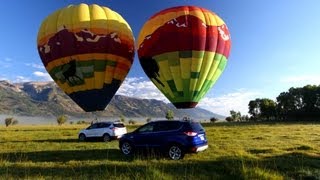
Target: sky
[(275, 46)]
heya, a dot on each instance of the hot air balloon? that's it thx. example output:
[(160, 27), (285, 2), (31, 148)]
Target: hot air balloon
[(88, 50), (184, 50)]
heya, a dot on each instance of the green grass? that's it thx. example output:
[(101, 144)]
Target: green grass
[(236, 151)]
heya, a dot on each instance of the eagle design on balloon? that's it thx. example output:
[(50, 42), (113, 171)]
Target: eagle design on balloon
[(88, 51)]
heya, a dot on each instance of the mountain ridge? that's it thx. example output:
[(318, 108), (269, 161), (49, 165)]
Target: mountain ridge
[(48, 100)]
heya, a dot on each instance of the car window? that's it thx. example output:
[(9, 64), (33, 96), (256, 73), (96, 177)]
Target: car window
[(167, 126), (174, 125), (160, 126), (104, 125), (93, 126), (146, 128), (196, 126), (118, 125)]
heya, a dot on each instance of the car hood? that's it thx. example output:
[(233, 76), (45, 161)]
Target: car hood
[(127, 135)]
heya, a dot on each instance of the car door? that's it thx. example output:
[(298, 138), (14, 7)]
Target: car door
[(92, 130), (143, 137), (102, 129), (160, 134)]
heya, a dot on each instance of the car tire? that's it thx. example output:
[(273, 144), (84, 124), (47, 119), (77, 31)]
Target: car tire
[(106, 138), (126, 148), (175, 152), (82, 137)]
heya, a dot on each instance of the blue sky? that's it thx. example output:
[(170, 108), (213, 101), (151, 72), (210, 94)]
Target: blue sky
[(275, 46)]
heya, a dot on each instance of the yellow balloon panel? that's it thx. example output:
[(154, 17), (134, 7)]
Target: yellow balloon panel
[(88, 50)]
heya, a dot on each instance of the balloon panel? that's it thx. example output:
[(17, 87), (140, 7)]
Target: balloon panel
[(184, 50), (88, 51)]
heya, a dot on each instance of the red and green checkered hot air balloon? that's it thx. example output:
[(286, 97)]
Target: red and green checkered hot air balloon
[(184, 50), (88, 51)]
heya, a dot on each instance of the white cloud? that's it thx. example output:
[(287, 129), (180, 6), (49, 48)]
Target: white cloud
[(301, 80), (34, 65), (43, 75), (7, 59), (138, 87), (6, 63), (20, 79), (145, 89), (237, 101)]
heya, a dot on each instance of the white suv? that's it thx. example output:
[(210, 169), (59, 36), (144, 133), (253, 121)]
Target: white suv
[(103, 130)]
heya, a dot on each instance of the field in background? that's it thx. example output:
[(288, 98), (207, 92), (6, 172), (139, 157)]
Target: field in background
[(236, 151)]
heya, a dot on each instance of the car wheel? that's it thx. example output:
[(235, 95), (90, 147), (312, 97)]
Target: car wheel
[(126, 148), (82, 137), (175, 152), (106, 138)]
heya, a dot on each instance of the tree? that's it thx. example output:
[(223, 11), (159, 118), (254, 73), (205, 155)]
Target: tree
[(8, 121), (264, 109), (268, 109), (15, 122), (213, 119), (254, 108), (299, 103), (245, 118), (169, 115), (148, 119), (236, 116), (229, 119), (62, 119)]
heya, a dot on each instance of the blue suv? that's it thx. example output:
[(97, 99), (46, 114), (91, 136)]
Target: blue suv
[(173, 137)]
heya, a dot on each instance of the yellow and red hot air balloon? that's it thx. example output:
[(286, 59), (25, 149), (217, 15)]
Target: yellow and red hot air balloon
[(88, 50), (184, 50)]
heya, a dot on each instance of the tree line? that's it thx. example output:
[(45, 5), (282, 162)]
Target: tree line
[(299, 104)]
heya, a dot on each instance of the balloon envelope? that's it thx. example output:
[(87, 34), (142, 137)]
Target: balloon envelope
[(88, 50), (184, 50)]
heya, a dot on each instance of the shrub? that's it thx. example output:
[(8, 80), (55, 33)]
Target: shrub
[(83, 122), (8, 121), (62, 119), (132, 121), (15, 122), (170, 115), (229, 119), (213, 119)]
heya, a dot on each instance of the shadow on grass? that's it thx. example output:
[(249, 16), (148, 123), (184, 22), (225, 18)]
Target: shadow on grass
[(65, 156), (46, 140), (260, 151), (292, 166), (81, 155), (301, 148), (93, 140)]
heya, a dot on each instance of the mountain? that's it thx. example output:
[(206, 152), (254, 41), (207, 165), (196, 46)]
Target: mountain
[(48, 100)]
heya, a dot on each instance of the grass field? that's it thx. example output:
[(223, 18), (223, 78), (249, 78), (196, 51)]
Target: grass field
[(236, 151)]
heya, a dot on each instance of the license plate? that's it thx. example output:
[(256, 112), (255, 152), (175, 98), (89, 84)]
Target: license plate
[(201, 137)]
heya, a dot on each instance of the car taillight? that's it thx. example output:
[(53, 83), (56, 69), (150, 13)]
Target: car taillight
[(113, 129), (190, 133)]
